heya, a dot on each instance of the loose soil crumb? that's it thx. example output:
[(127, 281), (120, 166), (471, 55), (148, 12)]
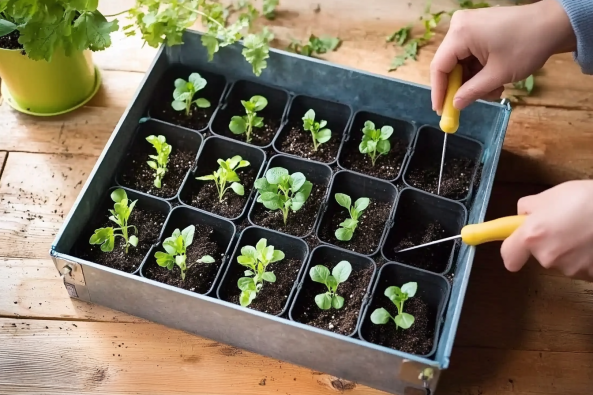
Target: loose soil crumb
[(197, 119), (273, 297), (457, 176), (386, 167), (367, 235), (300, 143), (342, 321), (138, 175), (149, 224), (200, 276), (204, 195), (298, 223), (10, 41), (418, 339), (434, 258)]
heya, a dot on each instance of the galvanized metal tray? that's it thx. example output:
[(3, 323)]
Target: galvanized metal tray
[(278, 337)]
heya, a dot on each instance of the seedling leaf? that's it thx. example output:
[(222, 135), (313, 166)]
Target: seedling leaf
[(185, 91)]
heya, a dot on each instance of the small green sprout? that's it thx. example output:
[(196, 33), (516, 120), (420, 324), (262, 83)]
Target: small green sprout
[(398, 297), (319, 132), (176, 247), (246, 123), (120, 215), (281, 191), (161, 159), (226, 173), (256, 259), (347, 228), (185, 91), (339, 274), (375, 142)]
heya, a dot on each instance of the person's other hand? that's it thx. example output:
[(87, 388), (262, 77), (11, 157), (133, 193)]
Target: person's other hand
[(558, 231), (496, 46)]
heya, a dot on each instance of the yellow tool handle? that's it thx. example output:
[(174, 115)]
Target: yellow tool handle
[(495, 230), (450, 117)]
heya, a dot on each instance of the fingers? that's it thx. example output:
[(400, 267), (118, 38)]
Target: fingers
[(494, 95), (527, 205), (514, 251), (485, 82)]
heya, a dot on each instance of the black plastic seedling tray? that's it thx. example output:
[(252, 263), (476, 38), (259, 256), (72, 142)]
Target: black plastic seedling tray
[(347, 98)]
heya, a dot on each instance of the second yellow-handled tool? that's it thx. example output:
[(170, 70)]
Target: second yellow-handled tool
[(450, 115), (475, 234)]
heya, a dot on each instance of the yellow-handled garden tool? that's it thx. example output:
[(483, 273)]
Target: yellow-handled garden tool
[(450, 116), (475, 234)]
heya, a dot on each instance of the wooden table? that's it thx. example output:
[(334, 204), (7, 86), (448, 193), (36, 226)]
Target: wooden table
[(524, 333)]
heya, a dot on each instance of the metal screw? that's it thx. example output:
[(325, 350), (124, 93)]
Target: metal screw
[(66, 270)]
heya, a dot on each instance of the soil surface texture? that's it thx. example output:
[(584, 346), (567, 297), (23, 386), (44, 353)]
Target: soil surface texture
[(136, 174), (259, 136), (204, 194), (298, 223), (197, 119), (342, 321), (10, 41), (149, 224), (368, 233), (300, 143), (200, 276), (418, 339), (273, 296), (457, 177), (434, 258), (386, 167)]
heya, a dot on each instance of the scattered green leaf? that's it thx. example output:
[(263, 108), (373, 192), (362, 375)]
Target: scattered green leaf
[(315, 45)]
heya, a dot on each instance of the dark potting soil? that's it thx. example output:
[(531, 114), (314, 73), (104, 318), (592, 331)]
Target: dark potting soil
[(138, 175), (149, 224), (197, 119), (259, 136), (298, 223), (312, 241), (273, 296), (434, 258), (10, 41), (418, 339), (344, 320), (205, 196), (200, 276), (300, 143), (368, 233), (457, 177), (386, 167)]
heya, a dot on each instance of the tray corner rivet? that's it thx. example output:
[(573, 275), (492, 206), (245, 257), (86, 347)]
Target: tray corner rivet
[(66, 270)]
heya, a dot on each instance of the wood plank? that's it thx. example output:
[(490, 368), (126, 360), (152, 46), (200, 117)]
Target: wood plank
[(3, 156), (32, 288), (36, 191), (117, 90)]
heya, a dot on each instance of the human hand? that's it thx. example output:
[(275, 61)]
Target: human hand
[(558, 231), (496, 46)]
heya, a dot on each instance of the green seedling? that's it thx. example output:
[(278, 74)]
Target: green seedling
[(398, 296), (176, 248), (120, 215), (339, 274), (319, 132), (347, 228), (227, 173), (245, 124), (185, 91), (256, 259), (161, 159), (280, 191), (375, 142)]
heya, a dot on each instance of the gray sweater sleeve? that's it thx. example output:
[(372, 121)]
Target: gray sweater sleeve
[(580, 13)]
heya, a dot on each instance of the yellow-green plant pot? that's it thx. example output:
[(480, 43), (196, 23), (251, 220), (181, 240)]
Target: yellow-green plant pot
[(48, 88)]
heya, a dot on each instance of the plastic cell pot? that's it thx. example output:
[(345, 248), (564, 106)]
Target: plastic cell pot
[(292, 247), (273, 113), (356, 186), (163, 97), (401, 142), (135, 173), (421, 217), (329, 256), (318, 174), (433, 290), (427, 153), (44, 88), (182, 217), (337, 116), (145, 203), (215, 148)]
